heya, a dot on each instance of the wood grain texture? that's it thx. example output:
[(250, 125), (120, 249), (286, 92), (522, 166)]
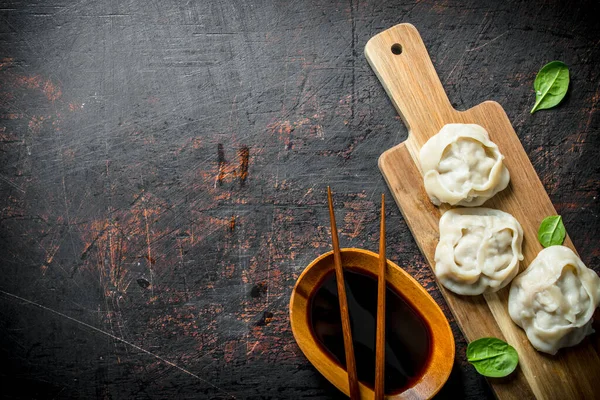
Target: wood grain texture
[(163, 173), (412, 83), (353, 388)]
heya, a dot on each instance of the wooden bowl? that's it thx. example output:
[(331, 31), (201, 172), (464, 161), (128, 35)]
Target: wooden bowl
[(437, 368)]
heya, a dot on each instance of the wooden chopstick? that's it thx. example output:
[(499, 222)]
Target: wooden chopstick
[(380, 335), (347, 332)]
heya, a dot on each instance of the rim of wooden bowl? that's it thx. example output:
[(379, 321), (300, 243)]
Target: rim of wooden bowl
[(438, 367)]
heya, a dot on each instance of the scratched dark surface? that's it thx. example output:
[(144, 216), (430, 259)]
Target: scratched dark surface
[(163, 168)]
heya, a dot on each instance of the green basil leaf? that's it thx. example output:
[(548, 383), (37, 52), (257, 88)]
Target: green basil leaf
[(492, 357), (550, 85), (552, 231)]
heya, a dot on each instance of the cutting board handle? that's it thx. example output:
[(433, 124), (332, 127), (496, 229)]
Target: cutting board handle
[(399, 58)]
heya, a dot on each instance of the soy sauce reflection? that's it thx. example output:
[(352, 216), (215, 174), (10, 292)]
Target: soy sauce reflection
[(407, 336)]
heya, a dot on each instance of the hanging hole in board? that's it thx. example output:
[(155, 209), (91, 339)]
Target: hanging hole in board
[(397, 48)]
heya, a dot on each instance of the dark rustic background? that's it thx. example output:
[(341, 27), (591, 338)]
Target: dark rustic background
[(163, 168)]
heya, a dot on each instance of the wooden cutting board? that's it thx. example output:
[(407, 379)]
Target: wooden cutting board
[(415, 90)]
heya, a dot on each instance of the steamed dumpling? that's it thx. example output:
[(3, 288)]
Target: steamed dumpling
[(479, 250), (462, 166), (554, 298)]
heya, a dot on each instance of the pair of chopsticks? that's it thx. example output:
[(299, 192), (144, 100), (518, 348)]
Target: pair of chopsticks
[(347, 333)]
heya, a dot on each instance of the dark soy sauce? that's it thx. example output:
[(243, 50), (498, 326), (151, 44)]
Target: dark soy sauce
[(407, 336)]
